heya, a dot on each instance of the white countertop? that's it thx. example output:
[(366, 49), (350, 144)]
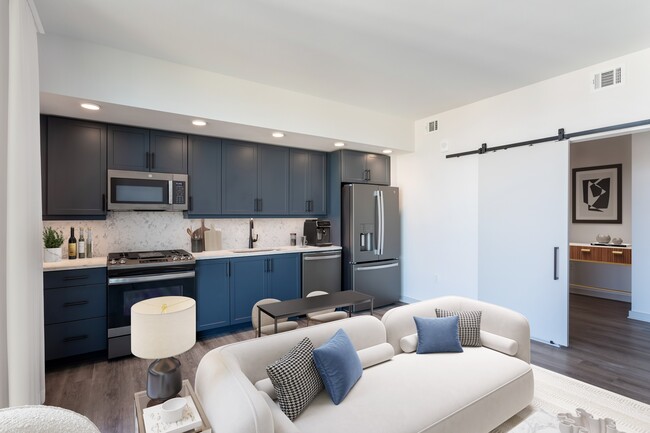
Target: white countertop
[(580, 244), (100, 262)]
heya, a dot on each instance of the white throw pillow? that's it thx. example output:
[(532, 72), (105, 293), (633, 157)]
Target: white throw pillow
[(374, 355)]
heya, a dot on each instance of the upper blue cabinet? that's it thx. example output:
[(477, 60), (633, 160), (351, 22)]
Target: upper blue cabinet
[(307, 175), (204, 170), (255, 179), (146, 150), (361, 167)]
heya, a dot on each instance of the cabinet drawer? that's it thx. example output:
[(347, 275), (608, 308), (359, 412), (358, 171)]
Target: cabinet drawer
[(585, 253), (75, 303), (75, 338), (77, 277), (615, 255)]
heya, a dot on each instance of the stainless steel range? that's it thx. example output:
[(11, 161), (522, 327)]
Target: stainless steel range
[(139, 275)]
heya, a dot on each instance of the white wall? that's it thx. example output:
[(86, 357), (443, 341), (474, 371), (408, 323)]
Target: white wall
[(81, 69), (4, 82), (613, 150), (640, 227), (439, 196)]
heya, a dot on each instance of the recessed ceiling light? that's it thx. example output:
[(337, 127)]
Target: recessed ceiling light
[(198, 122), (339, 144), (89, 106), (387, 151), (278, 134)]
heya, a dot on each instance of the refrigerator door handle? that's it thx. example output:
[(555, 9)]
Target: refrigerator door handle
[(380, 217), (374, 268), (383, 219)]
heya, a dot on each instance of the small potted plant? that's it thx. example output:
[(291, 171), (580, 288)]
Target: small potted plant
[(52, 241)]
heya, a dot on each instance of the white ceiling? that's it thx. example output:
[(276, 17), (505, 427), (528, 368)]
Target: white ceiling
[(409, 58)]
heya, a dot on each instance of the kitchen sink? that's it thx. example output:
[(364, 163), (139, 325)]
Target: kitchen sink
[(254, 250)]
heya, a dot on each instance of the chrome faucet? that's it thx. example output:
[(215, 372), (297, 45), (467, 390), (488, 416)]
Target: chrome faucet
[(251, 240)]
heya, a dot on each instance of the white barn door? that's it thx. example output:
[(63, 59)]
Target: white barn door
[(524, 235)]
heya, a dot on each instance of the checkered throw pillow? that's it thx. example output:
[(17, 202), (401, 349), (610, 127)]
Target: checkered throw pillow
[(295, 379), (469, 326)]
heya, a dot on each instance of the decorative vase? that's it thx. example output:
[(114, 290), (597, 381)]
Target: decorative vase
[(51, 255), (617, 241), (603, 238)]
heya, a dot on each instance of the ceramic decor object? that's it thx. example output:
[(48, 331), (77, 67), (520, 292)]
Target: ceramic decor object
[(603, 238), (617, 241)]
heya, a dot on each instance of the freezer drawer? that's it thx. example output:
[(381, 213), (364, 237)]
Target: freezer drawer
[(321, 271), (379, 279)]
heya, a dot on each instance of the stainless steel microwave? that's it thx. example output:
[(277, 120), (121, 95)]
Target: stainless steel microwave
[(141, 190)]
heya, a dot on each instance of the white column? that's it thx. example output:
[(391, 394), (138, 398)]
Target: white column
[(22, 356), (640, 229)]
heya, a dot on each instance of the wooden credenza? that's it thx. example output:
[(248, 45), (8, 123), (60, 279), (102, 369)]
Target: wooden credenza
[(601, 271)]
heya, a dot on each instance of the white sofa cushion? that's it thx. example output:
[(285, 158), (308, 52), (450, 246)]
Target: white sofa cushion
[(492, 341), (375, 354), (413, 393)]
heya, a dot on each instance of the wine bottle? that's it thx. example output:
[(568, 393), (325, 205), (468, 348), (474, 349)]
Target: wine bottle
[(89, 244), (72, 245), (81, 245)]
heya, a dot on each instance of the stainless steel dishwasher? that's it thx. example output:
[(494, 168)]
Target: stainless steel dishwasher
[(321, 271)]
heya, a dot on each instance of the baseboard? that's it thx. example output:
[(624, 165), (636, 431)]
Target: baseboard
[(407, 300), (637, 315)]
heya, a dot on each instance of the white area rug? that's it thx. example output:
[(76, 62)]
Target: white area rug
[(555, 393)]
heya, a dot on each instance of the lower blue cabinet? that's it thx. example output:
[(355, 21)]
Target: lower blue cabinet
[(212, 294), (227, 289)]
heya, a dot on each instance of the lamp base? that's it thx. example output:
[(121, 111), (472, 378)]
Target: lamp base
[(164, 378)]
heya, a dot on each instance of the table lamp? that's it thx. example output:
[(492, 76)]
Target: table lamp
[(162, 328)]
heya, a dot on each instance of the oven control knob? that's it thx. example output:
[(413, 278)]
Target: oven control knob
[(113, 262), (122, 261), (175, 258)]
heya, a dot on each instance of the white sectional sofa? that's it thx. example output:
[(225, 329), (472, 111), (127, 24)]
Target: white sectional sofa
[(469, 392)]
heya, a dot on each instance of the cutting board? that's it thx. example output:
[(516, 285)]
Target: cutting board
[(212, 239)]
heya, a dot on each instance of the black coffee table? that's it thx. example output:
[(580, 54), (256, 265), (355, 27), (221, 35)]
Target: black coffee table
[(299, 307)]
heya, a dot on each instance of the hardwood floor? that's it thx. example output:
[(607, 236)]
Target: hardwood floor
[(606, 349)]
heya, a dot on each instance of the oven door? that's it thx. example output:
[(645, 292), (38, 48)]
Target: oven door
[(123, 292)]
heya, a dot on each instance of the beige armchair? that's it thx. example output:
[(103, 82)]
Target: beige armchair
[(324, 316), (267, 325)]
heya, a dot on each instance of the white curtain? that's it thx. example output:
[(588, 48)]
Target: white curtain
[(22, 375)]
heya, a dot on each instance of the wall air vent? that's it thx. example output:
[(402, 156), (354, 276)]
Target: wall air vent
[(609, 78), (433, 126)]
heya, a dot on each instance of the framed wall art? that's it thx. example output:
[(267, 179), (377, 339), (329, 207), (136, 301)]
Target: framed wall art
[(597, 194)]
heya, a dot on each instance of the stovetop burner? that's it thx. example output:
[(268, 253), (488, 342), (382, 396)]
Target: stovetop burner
[(148, 258)]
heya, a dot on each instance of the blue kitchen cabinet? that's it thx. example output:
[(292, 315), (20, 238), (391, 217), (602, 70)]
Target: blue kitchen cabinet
[(255, 179), (307, 171), (247, 277), (204, 169), (254, 278), (212, 294), (74, 312), (283, 276)]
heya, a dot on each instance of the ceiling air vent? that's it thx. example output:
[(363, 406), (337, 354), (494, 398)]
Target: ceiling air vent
[(609, 78), (433, 126)]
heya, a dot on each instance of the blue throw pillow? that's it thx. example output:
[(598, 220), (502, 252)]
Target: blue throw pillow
[(339, 366), (437, 335)]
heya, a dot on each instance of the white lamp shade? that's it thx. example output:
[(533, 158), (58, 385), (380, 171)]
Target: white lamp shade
[(163, 327)]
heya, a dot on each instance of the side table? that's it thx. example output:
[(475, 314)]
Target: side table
[(142, 401)]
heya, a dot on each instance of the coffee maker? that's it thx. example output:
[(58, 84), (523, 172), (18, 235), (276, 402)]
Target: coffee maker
[(318, 232)]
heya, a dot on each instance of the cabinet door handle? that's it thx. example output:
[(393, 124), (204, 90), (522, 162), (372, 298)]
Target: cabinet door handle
[(311, 206), (306, 205), (75, 277), (261, 205), (270, 265), (369, 175), (146, 162), (75, 338), (228, 269), (618, 253), (556, 254), (103, 202), (152, 160), (190, 207), (585, 250), (75, 303)]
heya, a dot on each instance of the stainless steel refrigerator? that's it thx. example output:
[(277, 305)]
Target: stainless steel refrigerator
[(370, 232)]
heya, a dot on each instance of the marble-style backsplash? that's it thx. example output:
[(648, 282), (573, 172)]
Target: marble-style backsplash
[(142, 231)]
